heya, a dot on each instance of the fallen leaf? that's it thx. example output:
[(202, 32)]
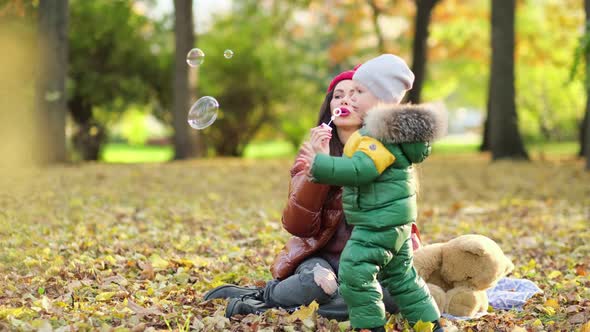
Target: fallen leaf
[(421, 326), (141, 310), (552, 303), (577, 318), (158, 262), (105, 296), (304, 312)]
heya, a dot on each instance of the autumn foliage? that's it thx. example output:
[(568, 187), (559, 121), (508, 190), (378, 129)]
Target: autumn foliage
[(136, 246)]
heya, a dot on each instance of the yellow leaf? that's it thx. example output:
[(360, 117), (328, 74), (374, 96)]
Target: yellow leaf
[(305, 312), (105, 296), (14, 312), (532, 264), (186, 262), (537, 323), (158, 262), (421, 326), (554, 274), (343, 326), (110, 259), (549, 310), (585, 327), (552, 303)]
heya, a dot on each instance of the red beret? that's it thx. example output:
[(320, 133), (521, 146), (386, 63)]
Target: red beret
[(345, 75)]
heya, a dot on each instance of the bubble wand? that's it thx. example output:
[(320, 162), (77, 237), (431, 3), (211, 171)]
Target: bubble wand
[(337, 112)]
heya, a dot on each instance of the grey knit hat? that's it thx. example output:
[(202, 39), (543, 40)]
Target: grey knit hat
[(387, 76)]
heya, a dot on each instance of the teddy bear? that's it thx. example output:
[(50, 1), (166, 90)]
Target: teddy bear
[(459, 271)]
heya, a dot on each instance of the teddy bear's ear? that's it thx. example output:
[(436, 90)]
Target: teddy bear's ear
[(474, 247)]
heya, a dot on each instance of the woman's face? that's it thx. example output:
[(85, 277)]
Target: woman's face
[(355, 100)]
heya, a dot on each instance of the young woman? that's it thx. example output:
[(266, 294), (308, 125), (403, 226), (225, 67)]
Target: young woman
[(307, 267)]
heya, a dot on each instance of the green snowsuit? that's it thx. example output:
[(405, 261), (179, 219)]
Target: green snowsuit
[(379, 199)]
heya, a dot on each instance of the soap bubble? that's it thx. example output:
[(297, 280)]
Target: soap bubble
[(195, 57), (203, 113), (228, 54)]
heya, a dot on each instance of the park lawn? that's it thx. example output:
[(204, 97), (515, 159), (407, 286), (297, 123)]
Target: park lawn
[(127, 153), (124, 153), (94, 246)]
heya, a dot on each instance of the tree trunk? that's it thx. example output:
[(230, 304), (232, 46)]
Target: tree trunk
[(485, 144), (51, 96), (184, 35), (420, 48), (378, 32), (585, 125), (587, 130), (90, 135), (505, 140)]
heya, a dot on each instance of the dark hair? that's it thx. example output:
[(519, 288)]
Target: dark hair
[(336, 147)]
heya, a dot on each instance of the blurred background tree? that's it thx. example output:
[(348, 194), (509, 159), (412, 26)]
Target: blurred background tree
[(121, 60), (261, 82), (118, 57)]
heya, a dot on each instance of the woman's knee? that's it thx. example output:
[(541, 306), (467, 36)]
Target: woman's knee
[(311, 290)]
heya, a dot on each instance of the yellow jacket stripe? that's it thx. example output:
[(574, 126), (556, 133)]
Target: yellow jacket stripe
[(372, 147)]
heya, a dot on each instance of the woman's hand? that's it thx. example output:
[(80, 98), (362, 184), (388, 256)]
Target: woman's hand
[(320, 139)]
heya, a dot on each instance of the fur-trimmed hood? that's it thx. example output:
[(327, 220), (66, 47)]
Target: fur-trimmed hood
[(396, 124)]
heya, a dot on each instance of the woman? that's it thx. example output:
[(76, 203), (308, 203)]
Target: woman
[(305, 270)]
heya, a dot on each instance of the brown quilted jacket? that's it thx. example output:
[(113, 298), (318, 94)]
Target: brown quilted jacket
[(313, 217)]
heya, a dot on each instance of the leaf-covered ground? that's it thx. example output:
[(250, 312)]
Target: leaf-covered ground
[(134, 247)]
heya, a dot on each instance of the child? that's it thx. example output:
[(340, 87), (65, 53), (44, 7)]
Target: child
[(379, 196)]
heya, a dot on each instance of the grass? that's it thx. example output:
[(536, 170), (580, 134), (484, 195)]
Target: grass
[(123, 153), (269, 149)]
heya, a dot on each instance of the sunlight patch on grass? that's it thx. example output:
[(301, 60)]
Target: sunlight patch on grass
[(270, 149), (124, 153)]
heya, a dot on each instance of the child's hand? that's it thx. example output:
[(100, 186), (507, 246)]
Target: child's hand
[(306, 157), (320, 139), (325, 278)]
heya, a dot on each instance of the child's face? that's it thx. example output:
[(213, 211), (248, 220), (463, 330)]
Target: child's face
[(349, 117), (362, 100)]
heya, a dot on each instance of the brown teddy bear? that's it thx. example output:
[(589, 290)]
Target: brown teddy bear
[(459, 271)]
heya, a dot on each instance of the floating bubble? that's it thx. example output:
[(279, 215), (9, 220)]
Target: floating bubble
[(195, 57), (203, 113), (228, 54)]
